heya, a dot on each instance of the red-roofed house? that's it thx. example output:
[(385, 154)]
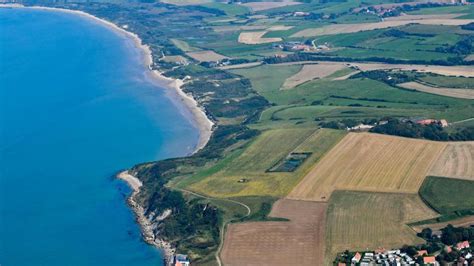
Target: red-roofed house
[(430, 260), (426, 122), (462, 245)]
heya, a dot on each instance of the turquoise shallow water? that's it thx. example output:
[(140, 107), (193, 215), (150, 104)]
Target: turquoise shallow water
[(75, 107)]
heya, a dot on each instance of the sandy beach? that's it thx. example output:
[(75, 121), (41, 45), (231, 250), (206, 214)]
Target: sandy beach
[(199, 117), (179, 97)]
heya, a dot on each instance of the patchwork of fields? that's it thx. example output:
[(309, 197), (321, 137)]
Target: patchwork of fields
[(399, 21), (370, 162)]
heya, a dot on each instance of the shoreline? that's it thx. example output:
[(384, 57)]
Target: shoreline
[(146, 226), (199, 119)]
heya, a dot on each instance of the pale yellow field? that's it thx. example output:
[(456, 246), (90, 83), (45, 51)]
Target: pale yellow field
[(206, 56), (464, 71), (313, 71), (450, 92), (255, 37), (387, 23), (370, 162), (244, 65), (457, 160), (258, 6), (175, 59), (367, 220)]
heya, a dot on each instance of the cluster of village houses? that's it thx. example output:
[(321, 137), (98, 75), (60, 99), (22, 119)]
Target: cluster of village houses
[(398, 258), (381, 10), (425, 122), (301, 46)]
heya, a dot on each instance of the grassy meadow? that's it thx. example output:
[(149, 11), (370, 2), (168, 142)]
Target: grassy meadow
[(448, 195), (253, 161)]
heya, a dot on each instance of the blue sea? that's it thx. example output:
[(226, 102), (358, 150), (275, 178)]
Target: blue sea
[(76, 106)]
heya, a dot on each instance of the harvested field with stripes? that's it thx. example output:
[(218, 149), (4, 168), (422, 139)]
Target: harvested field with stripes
[(367, 220), (256, 37), (457, 160), (450, 92), (370, 162), (313, 71), (299, 241), (387, 23)]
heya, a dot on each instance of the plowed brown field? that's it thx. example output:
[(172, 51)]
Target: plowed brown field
[(297, 242)]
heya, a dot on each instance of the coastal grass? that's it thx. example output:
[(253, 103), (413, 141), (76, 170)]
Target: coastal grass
[(184, 46), (251, 164), (447, 195), (366, 221)]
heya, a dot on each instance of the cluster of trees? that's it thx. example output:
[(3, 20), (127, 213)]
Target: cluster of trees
[(347, 123), (389, 77), (432, 132), (450, 236), (462, 47), (469, 26), (297, 57)]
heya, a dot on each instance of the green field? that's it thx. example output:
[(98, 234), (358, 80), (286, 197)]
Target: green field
[(367, 221), (468, 10), (448, 82), (447, 195), (252, 163), (229, 9), (268, 78)]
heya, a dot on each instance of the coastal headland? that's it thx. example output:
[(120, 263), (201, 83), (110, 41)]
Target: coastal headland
[(290, 110)]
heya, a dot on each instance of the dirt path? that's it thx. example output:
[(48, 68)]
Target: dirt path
[(461, 121), (222, 230)]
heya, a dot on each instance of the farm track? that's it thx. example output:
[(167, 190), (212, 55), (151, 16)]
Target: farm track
[(222, 230)]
